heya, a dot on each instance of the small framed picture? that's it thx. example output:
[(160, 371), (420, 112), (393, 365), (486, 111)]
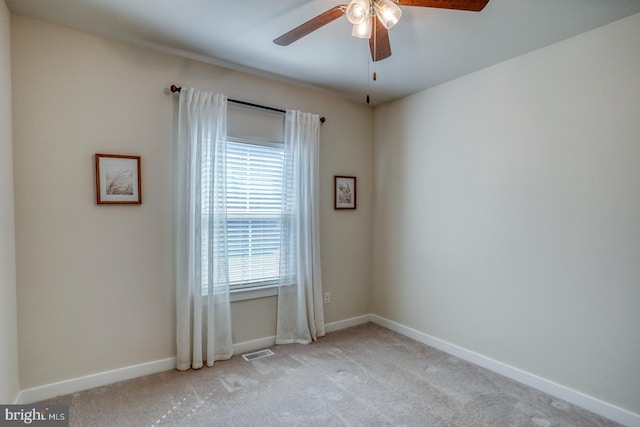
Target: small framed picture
[(118, 179), (345, 192)]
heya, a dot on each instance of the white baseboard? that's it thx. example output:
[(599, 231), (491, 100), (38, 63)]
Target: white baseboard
[(347, 323), (580, 399), (260, 343), (253, 345), (74, 385)]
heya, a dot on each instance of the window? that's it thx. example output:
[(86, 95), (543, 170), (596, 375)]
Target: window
[(254, 211)]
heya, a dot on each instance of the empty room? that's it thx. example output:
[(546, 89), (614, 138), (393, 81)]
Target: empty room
[(369, 213)]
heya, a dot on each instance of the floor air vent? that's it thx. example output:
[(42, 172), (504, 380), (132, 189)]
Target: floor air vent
[(257, 355)]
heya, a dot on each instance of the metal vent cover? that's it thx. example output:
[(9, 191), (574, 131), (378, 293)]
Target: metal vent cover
[(257, 355)]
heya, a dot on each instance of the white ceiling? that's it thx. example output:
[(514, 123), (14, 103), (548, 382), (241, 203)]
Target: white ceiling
[(429, 46)]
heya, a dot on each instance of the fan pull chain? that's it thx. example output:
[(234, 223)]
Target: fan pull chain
[(375, 47), (375, 53), (368, 81)]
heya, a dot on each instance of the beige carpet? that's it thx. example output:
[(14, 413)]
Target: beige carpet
[(362, 376)]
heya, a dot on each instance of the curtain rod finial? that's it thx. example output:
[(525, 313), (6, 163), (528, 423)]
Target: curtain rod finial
[(175, 88)]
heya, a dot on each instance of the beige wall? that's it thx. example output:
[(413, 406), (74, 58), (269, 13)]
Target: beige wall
[(507, 213), (8, 320), (95, 285)]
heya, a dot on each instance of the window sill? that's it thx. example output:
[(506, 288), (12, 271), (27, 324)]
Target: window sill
[(253, 293)]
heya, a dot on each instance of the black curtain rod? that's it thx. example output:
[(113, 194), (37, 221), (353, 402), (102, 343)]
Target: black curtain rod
[(175, 88)]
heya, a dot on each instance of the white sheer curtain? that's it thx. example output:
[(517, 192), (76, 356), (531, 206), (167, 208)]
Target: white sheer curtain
[(300, 312), (202, 278)]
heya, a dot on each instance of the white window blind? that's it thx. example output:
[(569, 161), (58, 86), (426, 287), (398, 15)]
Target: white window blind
[(254, 205)]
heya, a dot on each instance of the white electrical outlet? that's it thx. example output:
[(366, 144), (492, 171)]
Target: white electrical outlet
[(327, 297)]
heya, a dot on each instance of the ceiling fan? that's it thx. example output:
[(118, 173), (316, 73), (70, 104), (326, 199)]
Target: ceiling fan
[(372, 18)]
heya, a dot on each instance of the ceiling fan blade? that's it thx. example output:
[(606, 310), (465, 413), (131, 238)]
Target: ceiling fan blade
[(379, 41), (311, 25), (470, 5)]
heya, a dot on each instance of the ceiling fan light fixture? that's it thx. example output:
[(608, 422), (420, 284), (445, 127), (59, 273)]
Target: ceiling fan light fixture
[(358, 11), (388, 12), (362, 30)]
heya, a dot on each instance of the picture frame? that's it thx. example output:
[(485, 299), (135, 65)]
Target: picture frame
[(344, 190), (118, 179)]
